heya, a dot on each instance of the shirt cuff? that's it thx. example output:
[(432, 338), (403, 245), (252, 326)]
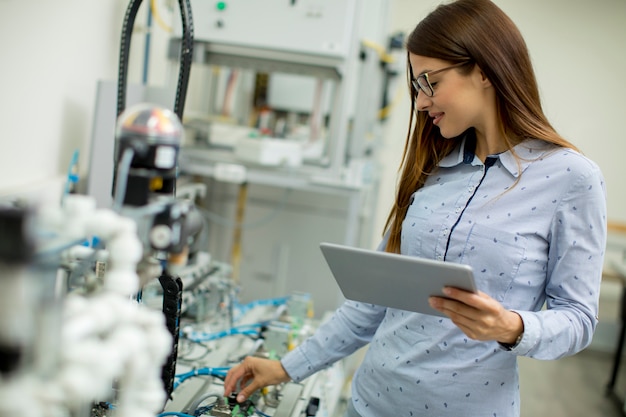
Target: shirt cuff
[(297, 365), (532, 332)]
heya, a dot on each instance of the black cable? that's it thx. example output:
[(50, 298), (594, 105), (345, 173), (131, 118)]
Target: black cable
[(123, 169), (185, 359), (127, 29), (186, 55), (172, 302), (122, 70)]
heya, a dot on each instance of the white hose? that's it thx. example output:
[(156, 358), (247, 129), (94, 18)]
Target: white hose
[(106, 337)]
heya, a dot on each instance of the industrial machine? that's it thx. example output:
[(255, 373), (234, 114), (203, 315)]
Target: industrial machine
[(283, 125), (136, 299), (80, 336), (117, 312)]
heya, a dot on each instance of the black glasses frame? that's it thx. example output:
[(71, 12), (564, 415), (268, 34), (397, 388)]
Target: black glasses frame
[(422, 81)]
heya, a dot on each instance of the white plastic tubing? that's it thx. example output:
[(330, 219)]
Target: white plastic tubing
[(107, 338)]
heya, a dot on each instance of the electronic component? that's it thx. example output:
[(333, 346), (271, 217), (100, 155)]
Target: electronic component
[(331, 20), (270, 151), (277, 339), (312, 407), (229, 407), (148, 139)]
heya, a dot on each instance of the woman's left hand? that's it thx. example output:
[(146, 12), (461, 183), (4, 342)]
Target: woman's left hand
[(478, 315)]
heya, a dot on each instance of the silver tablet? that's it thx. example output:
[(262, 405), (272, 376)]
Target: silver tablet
[(392, 280)]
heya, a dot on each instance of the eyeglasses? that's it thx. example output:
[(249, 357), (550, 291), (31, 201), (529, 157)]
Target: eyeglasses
[(422, 82)]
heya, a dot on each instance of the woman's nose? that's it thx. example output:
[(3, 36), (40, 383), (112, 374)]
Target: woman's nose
[(422, 101)]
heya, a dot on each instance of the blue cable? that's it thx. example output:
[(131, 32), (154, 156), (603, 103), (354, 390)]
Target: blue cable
[(270, 301), (72, 174), (57, 250), (146, 52), (219, 372), (245, 329), (174, 413), (244, 308), (203, 410)]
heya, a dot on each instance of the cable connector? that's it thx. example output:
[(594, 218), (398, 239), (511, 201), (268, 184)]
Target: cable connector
[(221, 409)]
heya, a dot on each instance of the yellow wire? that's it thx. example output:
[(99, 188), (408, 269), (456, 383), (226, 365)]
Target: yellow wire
[(236, 249), (384, 112), (382, 53), (157, 17), (387, 58)]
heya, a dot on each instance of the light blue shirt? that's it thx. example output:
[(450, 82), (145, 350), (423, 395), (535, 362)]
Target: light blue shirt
[(531, 239)]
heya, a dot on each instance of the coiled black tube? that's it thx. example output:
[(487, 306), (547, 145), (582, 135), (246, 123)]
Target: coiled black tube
[(186, 55)]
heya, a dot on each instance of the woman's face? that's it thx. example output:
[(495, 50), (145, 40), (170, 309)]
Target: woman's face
[(459, 100)]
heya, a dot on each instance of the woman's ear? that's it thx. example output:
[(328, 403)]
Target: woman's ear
[(483, 78)]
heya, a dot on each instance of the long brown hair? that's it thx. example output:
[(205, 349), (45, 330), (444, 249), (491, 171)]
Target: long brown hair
[(477, 32)]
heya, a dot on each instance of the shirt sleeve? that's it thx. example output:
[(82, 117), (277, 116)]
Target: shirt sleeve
[(352, 326), (575, 261)]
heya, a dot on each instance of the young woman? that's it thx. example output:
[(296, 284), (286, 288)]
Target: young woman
[(485, 181)]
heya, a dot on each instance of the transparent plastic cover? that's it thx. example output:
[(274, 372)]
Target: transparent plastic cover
[(152, 121)]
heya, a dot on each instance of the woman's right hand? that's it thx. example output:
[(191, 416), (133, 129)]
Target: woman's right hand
[(252, 374)]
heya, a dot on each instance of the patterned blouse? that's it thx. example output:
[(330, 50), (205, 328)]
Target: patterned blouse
[(534, 231)]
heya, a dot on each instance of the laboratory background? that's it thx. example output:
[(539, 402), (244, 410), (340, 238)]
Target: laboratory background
[(169, 169)]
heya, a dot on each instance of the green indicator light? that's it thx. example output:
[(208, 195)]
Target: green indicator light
[(221, 5)]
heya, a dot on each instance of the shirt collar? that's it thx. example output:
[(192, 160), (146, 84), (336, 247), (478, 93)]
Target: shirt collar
[(527, 152), (463, 153)]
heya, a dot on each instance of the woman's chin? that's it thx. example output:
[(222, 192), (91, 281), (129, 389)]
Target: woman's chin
[(449, 133)]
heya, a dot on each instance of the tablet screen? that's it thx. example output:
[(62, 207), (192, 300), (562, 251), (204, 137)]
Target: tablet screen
[(393, 280)]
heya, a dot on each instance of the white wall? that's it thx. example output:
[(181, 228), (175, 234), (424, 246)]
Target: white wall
[(51, 54)]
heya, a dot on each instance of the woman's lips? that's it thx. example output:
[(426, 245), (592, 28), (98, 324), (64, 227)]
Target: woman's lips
[(436, 117)]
